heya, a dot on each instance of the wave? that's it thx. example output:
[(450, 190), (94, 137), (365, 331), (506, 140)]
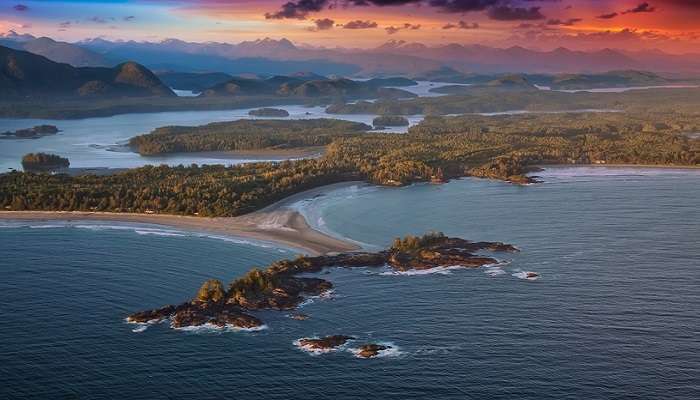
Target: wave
[(313, 208), (328, 294), (494, 270), (170, 234), (429, 271), (41, 226), (211, 328), (140, 229), (142, 326), (524, 275)]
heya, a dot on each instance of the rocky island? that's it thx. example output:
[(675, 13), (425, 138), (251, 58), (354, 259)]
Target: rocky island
[(371, 350), (269, 112), (280, 288), (390, 120), (327, 343), (31, 133), (36, 162)]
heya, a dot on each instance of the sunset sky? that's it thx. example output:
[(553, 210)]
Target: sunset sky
[(669, 25)]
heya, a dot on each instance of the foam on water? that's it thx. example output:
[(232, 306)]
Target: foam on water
[(430, 271), (327, 295), (140, 229), (156, 233), (211, 328), (494, 270), (523, 275), (140, 328)]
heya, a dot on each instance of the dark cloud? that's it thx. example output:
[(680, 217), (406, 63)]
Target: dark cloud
[(394, 29), (461, 6), (359, 24), (507, 13), (608, 16), (565, 22), (299, 9), (129, 18), (462, 25), (642, 8), (324, 24), (20, 7)]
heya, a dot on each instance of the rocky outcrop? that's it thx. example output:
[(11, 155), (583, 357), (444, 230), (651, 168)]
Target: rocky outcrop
[(279, 288), (198, 313), (324, 344), (371, 350)]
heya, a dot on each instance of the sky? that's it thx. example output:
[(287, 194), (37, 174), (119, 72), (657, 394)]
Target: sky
[(668, 25)]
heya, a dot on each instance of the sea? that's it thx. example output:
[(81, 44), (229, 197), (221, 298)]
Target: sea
[(612, 315)]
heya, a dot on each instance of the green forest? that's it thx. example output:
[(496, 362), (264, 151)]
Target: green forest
[(244, 135), (440, 148)]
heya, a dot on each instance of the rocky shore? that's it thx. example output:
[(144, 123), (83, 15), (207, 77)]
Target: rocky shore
[(280, 288)]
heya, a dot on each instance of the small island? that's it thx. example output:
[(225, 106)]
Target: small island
[(280, 288), (328, 343), (371, 350), (390, 120), (31, 133), (37, 162), (269, 112)]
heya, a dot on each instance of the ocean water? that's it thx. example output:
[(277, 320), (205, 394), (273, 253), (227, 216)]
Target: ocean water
[(613, 315), (99, 142)]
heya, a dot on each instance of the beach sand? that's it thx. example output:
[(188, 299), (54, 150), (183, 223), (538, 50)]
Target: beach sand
[(277, 223)]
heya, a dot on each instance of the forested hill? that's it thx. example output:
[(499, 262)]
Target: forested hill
[(245, 135), (26, 75)]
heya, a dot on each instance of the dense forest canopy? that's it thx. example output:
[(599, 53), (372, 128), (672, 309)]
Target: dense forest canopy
[(43, 161), (245, 135), (462, 100), (466, 100), (502, 147)]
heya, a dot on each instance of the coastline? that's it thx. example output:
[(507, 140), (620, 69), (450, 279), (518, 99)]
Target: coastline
[(277, 223), (647, 166)]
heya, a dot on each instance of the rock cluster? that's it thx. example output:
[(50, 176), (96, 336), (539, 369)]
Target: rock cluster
[(279, 288), (325, 343)]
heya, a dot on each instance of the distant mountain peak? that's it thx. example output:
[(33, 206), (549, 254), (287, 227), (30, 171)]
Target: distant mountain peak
[(13, 35)]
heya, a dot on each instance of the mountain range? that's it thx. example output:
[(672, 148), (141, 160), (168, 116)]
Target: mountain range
[(61, 52), (27, 75), (282, 57)]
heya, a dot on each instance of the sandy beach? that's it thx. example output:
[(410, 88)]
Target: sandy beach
[(276, 223)]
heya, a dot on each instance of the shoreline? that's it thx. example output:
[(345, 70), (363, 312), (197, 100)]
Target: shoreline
[(639, 166), (279, 223), (275, 224)]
